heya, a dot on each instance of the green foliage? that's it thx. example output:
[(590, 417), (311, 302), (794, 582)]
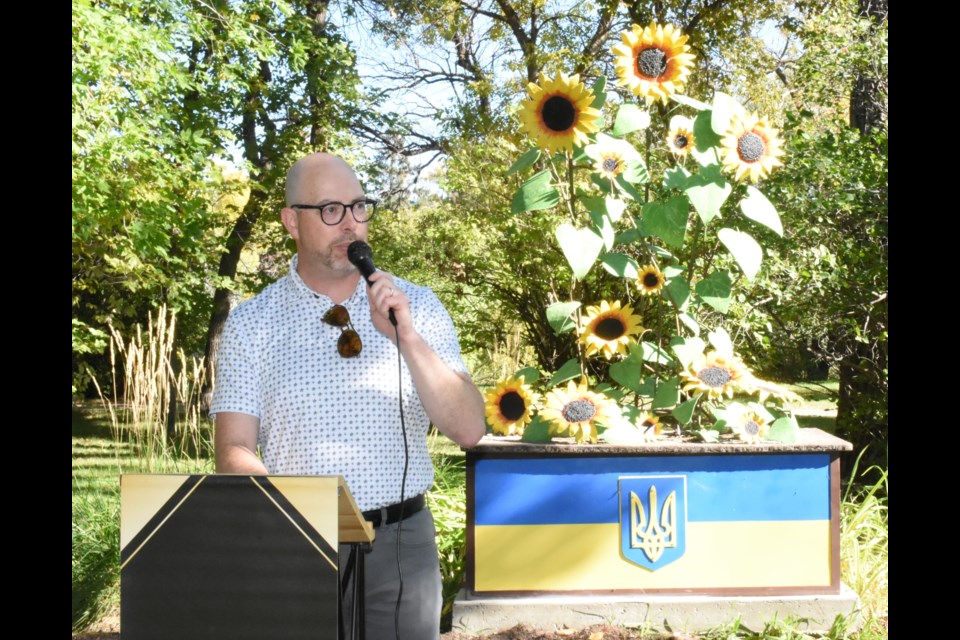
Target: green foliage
[(95, 556)]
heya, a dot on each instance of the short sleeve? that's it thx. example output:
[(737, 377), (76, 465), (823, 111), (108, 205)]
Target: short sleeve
[(435, 326), (237, 384)]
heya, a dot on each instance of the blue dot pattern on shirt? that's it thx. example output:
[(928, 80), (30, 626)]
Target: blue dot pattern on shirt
[(321, 414)]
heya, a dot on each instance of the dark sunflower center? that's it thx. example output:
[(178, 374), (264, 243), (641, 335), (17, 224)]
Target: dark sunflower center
[(752, 428), (512, 405), (647, 424), (652, 62), (750, 147), (610, 164), (714, 376), (578, 411), (610, 328), (558, 113), (681, 142), (651, 280)]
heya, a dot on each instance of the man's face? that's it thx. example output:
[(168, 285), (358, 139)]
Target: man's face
[(320, 245)]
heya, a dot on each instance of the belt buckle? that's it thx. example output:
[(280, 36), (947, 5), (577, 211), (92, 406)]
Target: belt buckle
[(384, 521)]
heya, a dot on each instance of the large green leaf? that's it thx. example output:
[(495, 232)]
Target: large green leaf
[(636, 172), (678, 290), (708, 190), (536, 431), (744, 248), (721, 341), (605, 228), (686, 349), (684, 412), (599, 92), (628, 188), (630, 118), (615, 208), (715, 290), (784, 430), (705, 139), (530, 374), (690, 323), (558, 315), (668, 220), (535, 194), (676, 178), (569, 371), (690, 102), (621, 265), (668, 394), (580, 246), (724, 108), (524, 161), (653, 353), (628, 371), (756, 207)]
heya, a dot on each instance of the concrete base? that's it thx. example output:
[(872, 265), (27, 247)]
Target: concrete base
[(654, 613)]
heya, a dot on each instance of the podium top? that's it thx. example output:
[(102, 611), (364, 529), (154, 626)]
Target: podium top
[(352, 527)]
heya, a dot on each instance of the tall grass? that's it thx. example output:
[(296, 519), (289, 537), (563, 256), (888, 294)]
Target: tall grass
[(155, 422)]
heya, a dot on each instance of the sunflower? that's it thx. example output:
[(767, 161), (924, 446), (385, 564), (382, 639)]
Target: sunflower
[(764, 389), (610, 155), (750, 426), (750, 147), (558, 114), (650, 280), (716, 375), (653, 62), (680, 138), (609, 329), (509, 406), (650, 426), (575, 411)]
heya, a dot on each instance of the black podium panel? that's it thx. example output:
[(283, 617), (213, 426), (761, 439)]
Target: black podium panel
[(227, 557)]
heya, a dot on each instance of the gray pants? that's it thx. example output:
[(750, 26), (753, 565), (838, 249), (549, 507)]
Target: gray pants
[(422, 590)]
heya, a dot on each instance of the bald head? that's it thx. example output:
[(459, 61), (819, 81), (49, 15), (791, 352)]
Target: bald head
[(313, 169)]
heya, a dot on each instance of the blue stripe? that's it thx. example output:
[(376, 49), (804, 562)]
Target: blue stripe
[(584, 490)]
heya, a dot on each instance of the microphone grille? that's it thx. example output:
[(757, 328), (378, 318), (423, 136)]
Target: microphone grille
[(359, 250)]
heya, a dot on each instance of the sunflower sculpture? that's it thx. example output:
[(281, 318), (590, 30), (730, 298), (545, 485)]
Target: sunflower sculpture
[(610, 156), (558, 114), (653, 62), (650, 426), (609, 329), (650, 280), (715, 375), (750, 147), (509, 406), (749, 426), (680, 138), (575, 411)]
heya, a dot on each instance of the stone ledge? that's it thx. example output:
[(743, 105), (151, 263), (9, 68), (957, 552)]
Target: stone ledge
[(654, 613), (809, 440)]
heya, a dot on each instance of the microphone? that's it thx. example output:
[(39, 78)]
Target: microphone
[(359, 254)]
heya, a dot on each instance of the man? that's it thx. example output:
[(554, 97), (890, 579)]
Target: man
[(290, 382)]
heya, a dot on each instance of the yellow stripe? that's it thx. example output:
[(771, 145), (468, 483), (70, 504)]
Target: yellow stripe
[(294, 523), (162, 522), (587, 557)]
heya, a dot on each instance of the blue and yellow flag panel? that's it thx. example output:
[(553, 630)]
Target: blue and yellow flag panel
[(651, 523)]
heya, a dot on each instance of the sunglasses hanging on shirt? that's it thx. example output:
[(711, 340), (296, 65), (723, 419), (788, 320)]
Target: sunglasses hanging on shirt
[(348, 344)]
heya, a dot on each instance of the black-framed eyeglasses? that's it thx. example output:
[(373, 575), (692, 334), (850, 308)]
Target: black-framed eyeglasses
[(332, 212), (348, 344)]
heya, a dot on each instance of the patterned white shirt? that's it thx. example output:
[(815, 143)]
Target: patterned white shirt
[(321, 414)]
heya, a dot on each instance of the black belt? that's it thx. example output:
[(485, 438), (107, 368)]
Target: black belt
[(392, 513)]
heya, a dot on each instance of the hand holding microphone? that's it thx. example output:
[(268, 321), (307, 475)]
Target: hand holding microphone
[(360, 255)]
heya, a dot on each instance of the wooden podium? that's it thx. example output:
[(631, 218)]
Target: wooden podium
[(236, 556)]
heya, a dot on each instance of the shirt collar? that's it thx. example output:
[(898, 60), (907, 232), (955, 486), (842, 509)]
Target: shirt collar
[(300, 289)]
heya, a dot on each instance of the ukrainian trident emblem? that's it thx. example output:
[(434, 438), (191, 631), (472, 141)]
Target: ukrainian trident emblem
[(653, 517)]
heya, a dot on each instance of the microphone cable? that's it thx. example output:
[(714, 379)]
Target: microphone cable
[(403, 482)]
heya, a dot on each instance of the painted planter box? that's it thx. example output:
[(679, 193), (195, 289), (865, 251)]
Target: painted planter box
[(668, 517)]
